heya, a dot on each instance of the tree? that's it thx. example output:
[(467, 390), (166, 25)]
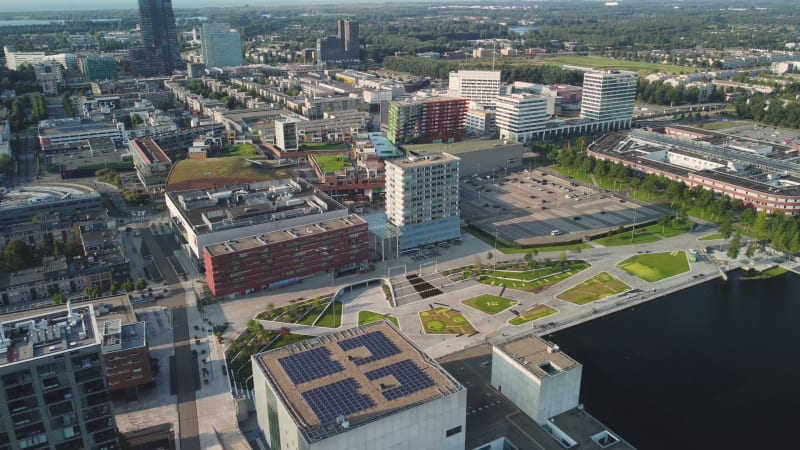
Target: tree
[(127, 286), (17, 256), (5, 162), (90, 292), (270, 309), (136, 120), (114, 287), (141, 284), (736, 244), (59, 298), (726, 226), (751, 250)]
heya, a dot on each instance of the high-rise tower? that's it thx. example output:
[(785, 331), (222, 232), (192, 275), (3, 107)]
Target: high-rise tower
[(159, 53)]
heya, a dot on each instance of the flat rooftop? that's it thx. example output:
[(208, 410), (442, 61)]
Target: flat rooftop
[(460, 147), (538, 356), (422, 161), (288, 234), (362, 374), (45, 334)]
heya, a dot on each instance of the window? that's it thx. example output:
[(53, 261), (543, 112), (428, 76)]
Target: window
[(453, 431)]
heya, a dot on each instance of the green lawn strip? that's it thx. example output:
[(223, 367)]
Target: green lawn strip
[(769, 273), (721, 125), (490, 304), (445, 321), (671, 230), (537, 312), (332, 163), (327, 319), (600, 286), (534, 274), (289, 339), (640, 236), (321, 146), (711, 237), (533, 284), (365, 317), (312, 316), (508, 248), (656, 266)]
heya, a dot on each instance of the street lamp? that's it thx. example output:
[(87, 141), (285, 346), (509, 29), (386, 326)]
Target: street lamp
[(494, 259)]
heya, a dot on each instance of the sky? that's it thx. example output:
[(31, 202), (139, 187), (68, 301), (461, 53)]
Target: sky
[(73, 5)]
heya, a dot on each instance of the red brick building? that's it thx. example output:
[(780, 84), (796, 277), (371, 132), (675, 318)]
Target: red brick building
[(246, 265)]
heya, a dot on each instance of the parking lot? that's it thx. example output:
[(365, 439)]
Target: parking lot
[(537, 207)]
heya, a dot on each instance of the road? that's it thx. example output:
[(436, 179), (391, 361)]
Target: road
[(25, 154)]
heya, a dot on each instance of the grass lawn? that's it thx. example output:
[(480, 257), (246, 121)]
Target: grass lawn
[(321, 146), (602, 63), (769, 273), (289, 339), (600, 286), (711, 237), (537, 312), (331, 163), (641, 236), (721, 125), (445, 321), (214, 169), (365, 317), (327, 319), (604, 183), (241, 150), (676, 229), (490, 304), (656, 266), (532, 280)]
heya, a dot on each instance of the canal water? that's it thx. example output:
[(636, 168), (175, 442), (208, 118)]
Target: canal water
[(716, 366)]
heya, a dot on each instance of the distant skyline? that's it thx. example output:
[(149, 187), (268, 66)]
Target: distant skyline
[(89, 5)]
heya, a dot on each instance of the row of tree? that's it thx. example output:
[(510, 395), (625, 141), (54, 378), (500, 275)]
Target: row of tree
[(768, 110), (780, 231), (665, 94)]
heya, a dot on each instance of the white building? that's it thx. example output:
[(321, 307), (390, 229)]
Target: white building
[(286, 134), (481, 121), (480, 86), (50, 75), (222, 47), (75, 132), (537, 377), (609, 96), (15, 60), (520, 116), (5, 138), (363, 388), (422, 198)]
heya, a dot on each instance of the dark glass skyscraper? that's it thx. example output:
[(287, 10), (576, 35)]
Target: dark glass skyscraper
[(159, 53)]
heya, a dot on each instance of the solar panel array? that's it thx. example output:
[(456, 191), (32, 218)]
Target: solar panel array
[(378, 345), (407, 373), (310, 365), (337, 398)]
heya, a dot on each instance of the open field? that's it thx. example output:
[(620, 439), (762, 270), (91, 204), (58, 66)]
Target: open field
[(445, 321), (365, 317), (724, 124), (332, 163), (601, 63), (600, 286), (490, 304), (656, 266), (537, 312)]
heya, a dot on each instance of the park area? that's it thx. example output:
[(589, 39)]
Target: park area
[(240, 150), (644, 235), (316, 311), (332, 163), (365, 317), (445, 321), (537, 312), (598, 287), (532, 279), (489, 304), (656, 266)]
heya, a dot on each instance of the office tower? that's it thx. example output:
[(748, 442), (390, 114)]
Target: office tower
[(222, 47), (609, 96), (54, 385), (344, 47), (286, 134), (422, 198), (480, 86), (159, 53), (520, 116), (430, 120)]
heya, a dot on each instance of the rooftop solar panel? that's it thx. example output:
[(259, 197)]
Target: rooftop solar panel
[(378, 345), (407, 373), (338, 398), (310, 365)]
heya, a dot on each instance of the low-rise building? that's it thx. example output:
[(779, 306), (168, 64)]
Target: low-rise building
[(366, 387), (152, 164)]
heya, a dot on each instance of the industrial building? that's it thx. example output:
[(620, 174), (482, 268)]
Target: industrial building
[(51, 371), (477, 157), (364, 388), (422, 195), (764, 176)]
